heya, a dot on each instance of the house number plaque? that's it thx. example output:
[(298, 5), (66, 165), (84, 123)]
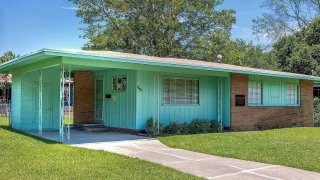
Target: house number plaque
[(240, 100)]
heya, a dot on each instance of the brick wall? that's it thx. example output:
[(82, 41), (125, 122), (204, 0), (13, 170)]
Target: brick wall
[(251, 118), (83, 97)]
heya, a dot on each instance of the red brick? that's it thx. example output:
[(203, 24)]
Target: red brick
[(248, 118), (83, 97)]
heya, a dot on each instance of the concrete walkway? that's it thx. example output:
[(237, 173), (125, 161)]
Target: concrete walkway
[(203, 165)]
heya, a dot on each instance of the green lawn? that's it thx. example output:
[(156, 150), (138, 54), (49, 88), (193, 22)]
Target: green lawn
[(27, 157), (4, 121), (294, 147)]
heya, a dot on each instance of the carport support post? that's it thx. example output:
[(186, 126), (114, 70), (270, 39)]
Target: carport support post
[(69, 103), (40, 104), (61, 128)]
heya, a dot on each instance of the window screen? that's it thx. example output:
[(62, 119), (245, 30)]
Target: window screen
[(255, 92), (292, 94), (180, 91)]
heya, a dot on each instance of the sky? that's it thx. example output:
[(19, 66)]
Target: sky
[(30, 25)]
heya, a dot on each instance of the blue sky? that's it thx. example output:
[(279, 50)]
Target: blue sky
[(29, 25)]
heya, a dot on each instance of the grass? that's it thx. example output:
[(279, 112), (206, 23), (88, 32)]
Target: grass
[(4, 121), (66, 119), (293, 147), (26, 157)]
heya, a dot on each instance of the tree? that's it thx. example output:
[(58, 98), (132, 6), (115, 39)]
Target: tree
[(300, 51), (166, 28), (285, 17), (9, 55)]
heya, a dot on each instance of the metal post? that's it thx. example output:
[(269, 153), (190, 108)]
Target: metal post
[(69, 102), (40, 105), (61, 130)]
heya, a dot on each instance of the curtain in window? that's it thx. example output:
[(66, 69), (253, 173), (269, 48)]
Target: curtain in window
[(180, 91)]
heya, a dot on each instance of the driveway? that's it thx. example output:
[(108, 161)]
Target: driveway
[(203, 165)]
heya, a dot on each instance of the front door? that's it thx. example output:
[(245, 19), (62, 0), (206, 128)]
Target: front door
[(47, 122), (99, 100)]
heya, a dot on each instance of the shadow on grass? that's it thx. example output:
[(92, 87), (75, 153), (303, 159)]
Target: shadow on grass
[(46, 141)]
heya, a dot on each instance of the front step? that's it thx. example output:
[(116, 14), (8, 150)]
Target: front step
[(89, 126), (98, 129)]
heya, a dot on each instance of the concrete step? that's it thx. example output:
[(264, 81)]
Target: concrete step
[(89, 126), (98, 129)]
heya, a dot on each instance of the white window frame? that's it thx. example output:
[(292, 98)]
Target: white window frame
[(292, 94), (169, 94), (255, 92)]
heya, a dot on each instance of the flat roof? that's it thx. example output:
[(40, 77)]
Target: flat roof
[(152, 60)]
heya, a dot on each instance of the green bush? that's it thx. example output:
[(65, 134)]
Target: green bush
[(174, 127), (316, 110), (216, 126), (199, 126), (177, 128), (184, 128), (152, 128)]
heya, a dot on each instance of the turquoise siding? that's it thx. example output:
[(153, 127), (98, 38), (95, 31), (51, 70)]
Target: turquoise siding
[(274, 89), (226, 94), (29, 100), (149, 100), (16, 100), (121, 111)]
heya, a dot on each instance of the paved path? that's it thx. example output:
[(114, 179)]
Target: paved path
[(203, 165)]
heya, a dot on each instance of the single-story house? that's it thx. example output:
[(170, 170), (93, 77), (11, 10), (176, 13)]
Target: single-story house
[(125, 90)]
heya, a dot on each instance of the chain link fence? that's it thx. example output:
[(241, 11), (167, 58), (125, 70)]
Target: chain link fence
[(5, 112)]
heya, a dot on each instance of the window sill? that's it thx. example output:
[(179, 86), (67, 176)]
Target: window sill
[(180, 104), (254, 105)]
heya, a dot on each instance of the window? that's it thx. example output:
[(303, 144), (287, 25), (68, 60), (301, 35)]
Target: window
[(255, 92), (292, 94), (119, 83), (180, 91), (316, 91)]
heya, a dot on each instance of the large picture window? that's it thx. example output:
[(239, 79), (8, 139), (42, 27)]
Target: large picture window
[(180, 91), (292, 94), (255, 93)]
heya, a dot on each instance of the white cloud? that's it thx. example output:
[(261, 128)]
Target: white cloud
[(69, 8)]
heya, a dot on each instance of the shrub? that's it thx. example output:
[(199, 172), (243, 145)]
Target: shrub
[(316, 111), (184, 128), (216, 126), (177, 128), (173, 128), (199, 126), (152, 127)]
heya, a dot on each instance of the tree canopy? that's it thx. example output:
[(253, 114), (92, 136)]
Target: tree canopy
[(285, 17), (170, 28), (9, 55), (300, 52), (179, 28)]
